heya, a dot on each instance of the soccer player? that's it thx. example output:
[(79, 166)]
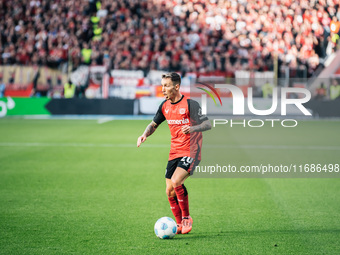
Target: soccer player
[(186, 124)]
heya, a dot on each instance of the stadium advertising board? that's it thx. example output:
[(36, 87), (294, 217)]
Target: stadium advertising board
[(23, 106), (46, 106)]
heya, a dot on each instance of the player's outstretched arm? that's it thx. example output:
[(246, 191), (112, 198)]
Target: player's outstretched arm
[(148, 131), (204, 126)]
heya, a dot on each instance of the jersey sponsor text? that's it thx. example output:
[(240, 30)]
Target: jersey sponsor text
[(178, 122)]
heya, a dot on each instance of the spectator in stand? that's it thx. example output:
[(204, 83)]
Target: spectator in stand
[(86, 53), (321, 92), (335, 28), (69, 89), (334, 90), (2, 87)]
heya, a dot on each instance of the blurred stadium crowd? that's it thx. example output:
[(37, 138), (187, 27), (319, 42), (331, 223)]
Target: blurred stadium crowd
[(178, 35)]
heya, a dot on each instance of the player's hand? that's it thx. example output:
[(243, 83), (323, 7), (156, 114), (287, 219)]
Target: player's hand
[(186, 129), (141, 140)]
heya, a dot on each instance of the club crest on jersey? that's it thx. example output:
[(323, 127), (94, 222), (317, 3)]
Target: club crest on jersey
[(182, 111), (166, 111)]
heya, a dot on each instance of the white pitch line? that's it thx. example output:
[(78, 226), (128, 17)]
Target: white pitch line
[(103, 145), (129, 145), (104, 120), (275, 147)]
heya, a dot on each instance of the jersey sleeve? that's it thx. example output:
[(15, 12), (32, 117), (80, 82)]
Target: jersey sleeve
[(196, 112), (159, 116)]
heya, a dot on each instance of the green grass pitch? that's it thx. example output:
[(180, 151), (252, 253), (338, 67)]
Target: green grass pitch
[(79, 187)]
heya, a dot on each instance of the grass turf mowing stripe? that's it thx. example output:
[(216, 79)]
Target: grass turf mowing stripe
[(269, 147)]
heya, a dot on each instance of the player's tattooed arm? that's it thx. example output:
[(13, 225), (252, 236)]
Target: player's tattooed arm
[(204, 126), (148, 131)]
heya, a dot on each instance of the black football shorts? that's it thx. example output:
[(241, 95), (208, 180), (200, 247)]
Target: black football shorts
[(185, 162)]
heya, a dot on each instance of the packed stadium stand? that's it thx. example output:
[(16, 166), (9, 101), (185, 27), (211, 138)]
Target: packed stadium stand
[(186, 36)]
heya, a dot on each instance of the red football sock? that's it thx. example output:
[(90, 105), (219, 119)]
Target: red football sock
[(176, 210), (183, 201)]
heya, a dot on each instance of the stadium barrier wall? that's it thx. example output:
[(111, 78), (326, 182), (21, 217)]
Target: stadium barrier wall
[(77, 106), (149, 106), (83, 106), (115, 106), (324, 109)]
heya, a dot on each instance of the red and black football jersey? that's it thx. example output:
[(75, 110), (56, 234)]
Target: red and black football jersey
[(184, 112)]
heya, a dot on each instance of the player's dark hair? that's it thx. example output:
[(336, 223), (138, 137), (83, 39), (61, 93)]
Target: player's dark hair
[(175, 78)]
